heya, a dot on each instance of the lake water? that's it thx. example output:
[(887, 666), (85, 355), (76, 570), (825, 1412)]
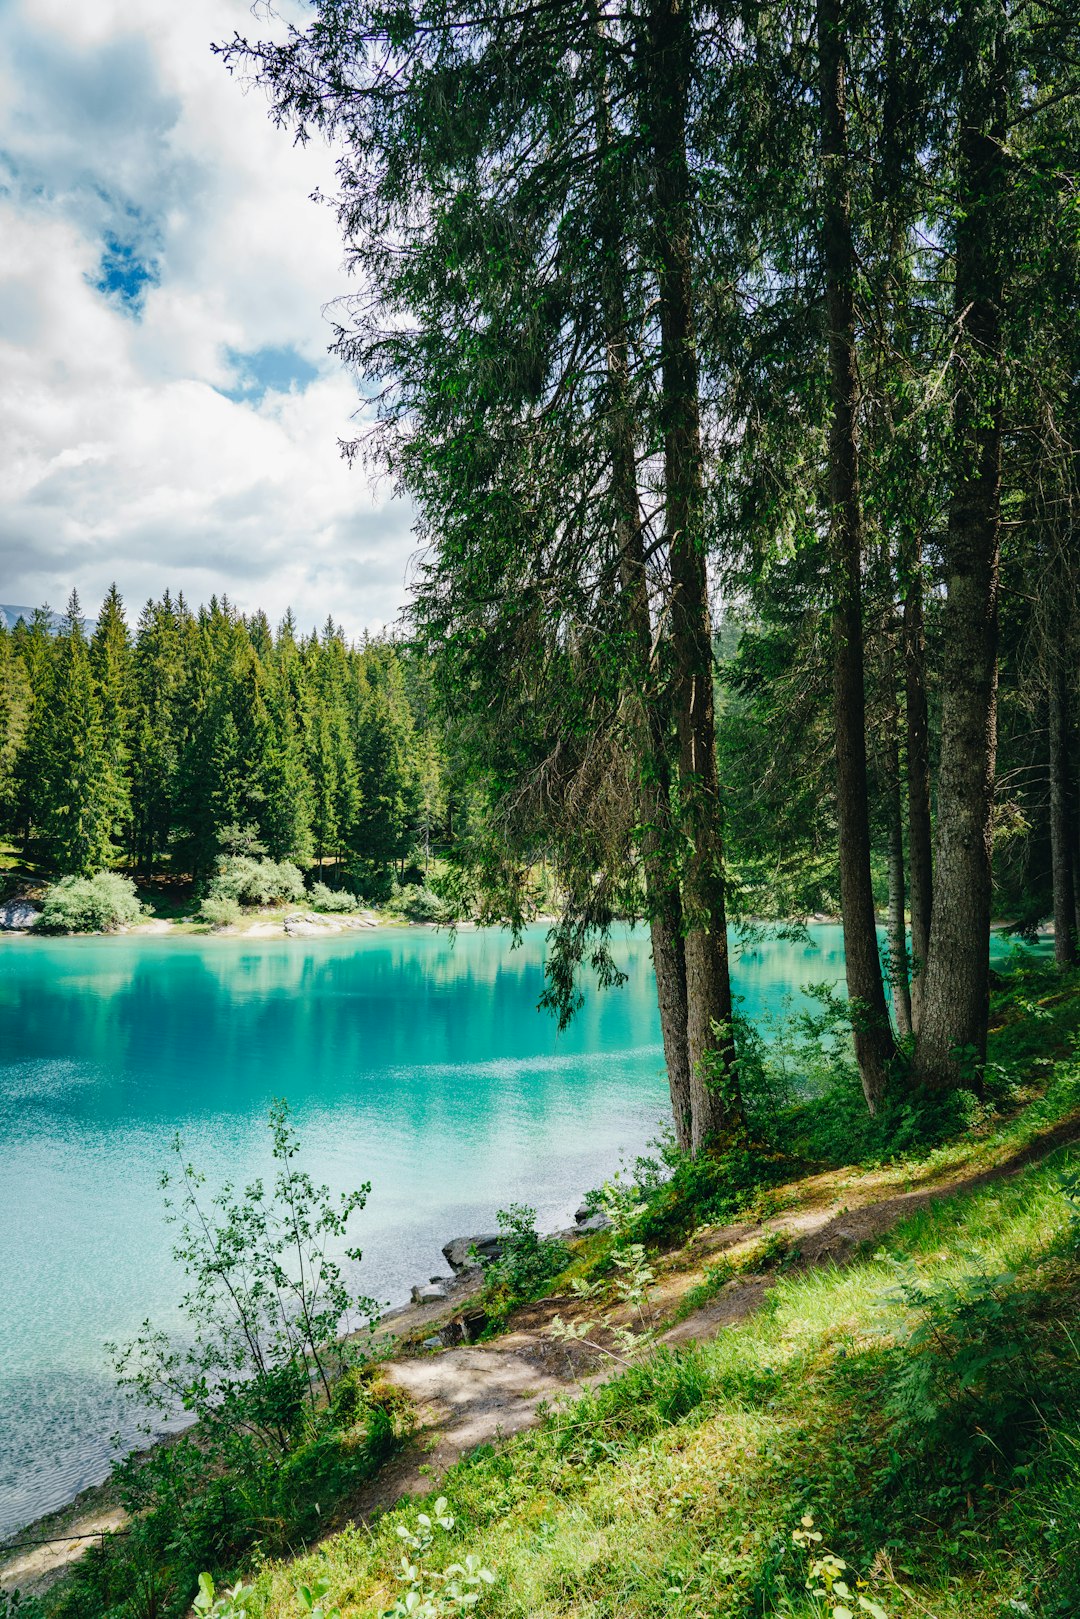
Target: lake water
[(410, 1060)]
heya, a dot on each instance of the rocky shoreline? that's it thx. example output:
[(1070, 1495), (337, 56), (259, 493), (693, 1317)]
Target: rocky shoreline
[(444, 1312)]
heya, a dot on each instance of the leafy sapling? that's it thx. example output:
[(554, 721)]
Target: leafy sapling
[(233, 1602), (431, 1593), (266, 1301)]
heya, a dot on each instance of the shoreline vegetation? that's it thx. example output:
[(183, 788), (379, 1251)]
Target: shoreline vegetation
[(868, 1332)]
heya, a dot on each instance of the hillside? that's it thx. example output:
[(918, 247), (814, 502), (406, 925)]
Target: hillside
[(883, 1346)]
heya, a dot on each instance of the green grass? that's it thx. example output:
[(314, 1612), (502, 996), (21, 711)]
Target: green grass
[(675, 1489)]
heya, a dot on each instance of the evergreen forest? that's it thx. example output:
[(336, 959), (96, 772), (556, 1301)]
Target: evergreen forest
[(729, 356), (205, 735)]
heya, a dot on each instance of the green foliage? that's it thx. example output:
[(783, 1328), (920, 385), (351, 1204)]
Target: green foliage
[(265, 1304), (331, 899), (836, 1593), (976, 1375), (526, 1263), (205, 735), (98, 904), (247, 881), (230, 1604), (289, 1421), (220, 911), (71, 766), (420, 904), (431, 1593)]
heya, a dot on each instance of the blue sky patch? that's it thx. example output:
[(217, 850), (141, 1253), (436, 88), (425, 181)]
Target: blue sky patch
[(123, 274), (267, 370)]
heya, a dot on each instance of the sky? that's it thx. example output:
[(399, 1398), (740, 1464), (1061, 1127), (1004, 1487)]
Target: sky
[(169, 416)]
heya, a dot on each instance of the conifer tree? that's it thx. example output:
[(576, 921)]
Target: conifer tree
[(112, 666), (77, 794)]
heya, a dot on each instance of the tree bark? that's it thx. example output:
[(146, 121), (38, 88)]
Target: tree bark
[(920, 830), (874, 1045), (715, 1102), (1075, 780), (1061, 849), (955, 1004), (663, 902)]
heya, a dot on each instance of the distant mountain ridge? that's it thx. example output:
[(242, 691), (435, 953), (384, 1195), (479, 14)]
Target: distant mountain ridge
[(10, 616)]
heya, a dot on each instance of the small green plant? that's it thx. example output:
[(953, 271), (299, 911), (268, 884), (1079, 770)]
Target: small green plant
[(98, 904), (420, 904), (633, 1278), (232, 1603), (526, 1261), (312, 1600), (17, 1605), (220, 912), (266, 1302), (835, 1590), (431, 1593)]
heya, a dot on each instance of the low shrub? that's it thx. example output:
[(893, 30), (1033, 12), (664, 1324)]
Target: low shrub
[(248, 881), (220, 913), (331, 899), (373, 884), (526, 1263), (420, 904), (98, 904)]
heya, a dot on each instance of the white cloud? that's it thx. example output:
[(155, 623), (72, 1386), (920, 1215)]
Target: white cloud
[(128, 154)]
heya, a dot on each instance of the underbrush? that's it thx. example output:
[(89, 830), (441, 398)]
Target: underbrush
[(919, 1406), (191, 1512), (805, 1109)]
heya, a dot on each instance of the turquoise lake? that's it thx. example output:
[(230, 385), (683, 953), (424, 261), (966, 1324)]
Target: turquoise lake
[(409, 1060)]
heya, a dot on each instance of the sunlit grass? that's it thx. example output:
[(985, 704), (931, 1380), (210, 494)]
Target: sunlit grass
[(675, 1489)]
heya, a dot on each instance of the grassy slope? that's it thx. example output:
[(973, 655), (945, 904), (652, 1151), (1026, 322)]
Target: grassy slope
[(931, 1432)]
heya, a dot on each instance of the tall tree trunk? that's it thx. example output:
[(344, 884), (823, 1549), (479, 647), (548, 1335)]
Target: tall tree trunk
[(897, 920), (920, 831), (1061, 850), (715, 1102), (649, 732), (952, 1029), (874, 1045)]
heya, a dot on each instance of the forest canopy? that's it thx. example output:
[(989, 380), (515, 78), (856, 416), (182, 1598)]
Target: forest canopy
[(665, 302)]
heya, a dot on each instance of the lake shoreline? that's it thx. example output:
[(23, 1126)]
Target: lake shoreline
[(95, 1510)]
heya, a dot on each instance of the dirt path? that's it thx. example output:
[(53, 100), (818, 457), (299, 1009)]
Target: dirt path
[(65, 1537), (473, 1395)]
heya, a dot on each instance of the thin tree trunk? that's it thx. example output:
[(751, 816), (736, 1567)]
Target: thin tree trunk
[(1061, 850), (654, 803), (953, 1021), (920, 830), (715, 1101), (897, 919), (874, 1045)]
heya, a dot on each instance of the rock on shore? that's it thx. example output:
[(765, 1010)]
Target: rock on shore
[(18, 914)]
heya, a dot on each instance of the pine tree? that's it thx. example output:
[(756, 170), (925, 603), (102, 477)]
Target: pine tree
[(77, 793), (112, 665)]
